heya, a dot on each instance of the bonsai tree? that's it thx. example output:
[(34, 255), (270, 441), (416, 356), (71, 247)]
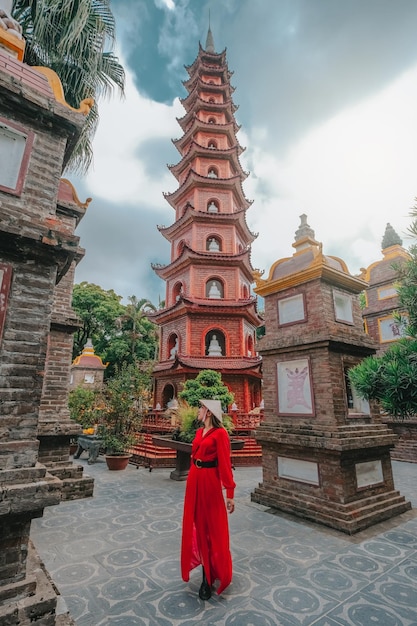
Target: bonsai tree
[(123, 400), (207, 385)]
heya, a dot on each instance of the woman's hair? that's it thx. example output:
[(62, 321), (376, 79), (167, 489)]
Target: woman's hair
[(215, 421)]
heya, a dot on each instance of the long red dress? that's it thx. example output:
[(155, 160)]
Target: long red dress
[(205, 530)]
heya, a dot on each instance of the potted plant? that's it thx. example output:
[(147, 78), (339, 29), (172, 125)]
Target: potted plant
[(120, 417)]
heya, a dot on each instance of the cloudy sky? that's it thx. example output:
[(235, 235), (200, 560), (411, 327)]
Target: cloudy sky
[(327, 95)]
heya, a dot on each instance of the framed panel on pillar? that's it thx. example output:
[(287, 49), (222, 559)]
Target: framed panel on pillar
[(5, 282), (295, 392)]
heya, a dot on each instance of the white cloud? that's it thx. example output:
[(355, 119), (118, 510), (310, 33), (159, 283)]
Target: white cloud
[(119, 173), (351, 176)]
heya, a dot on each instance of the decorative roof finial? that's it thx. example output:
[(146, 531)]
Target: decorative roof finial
[(304, 230), (390, 238), (209, 40)]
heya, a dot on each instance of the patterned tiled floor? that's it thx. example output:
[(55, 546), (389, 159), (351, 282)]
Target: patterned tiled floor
[(115, 560)]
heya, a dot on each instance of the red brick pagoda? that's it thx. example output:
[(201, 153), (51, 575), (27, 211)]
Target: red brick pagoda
[(210, 317)]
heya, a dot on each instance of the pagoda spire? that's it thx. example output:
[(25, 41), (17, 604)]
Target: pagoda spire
[(391, 237), (210, 40)]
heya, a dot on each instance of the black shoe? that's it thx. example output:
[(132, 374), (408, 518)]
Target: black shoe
[(205, 591)]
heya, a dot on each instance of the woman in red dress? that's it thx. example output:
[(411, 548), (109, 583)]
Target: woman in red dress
[(205, 531)]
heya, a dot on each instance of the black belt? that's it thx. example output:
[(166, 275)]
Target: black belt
[(198, 463)]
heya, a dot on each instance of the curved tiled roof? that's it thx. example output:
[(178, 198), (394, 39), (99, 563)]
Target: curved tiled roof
[(225, 364), (191, 213), (196, 149), (87, 359), (215, 129), (188, 254), (193, 177)]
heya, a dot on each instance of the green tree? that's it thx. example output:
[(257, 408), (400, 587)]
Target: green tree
[(120, 333), (137, 326), (75, 38), (99, 312), (407, 285), (207, 385), (390, 379)]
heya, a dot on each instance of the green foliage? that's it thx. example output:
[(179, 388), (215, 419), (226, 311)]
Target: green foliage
[(390, 379), (407, 291), (83, 406), (407, 284), (74, 38), (207, 385), (124, 399), (186, 417), (120, 333), (188, 424)]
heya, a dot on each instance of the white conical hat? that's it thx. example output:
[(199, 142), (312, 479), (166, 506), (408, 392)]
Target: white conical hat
[(215, 406)]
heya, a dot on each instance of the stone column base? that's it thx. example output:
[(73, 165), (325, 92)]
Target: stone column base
[(341, 478), (33, 600)]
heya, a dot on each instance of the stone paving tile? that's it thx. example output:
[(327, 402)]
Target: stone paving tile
[(115, 560)]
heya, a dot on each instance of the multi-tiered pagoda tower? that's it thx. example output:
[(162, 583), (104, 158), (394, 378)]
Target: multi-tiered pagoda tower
[(210, 317)]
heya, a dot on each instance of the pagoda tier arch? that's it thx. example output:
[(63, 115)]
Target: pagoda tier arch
[(213, 85), (169, 392), (217, 282), (190, 257), (194, 182), (205, 109), (205, 155), (214, 237), (190, 216), (222, 336), (219, 100), (211, 131), (212, 60)]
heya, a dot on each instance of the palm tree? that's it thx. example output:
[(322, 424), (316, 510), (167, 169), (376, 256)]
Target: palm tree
[(135, 311), (74, 38)]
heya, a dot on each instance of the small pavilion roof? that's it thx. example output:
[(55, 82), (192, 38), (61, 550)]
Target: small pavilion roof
[(88, 359)]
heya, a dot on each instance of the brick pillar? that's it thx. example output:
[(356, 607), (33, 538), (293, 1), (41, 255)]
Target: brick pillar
[(55, 428)]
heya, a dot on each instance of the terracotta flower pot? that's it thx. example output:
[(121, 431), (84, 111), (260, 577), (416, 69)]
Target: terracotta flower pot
[(117, 461)]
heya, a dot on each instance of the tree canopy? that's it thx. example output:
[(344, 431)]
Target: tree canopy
[(207, 385), (75, 38), (390, 379), (120, 333)]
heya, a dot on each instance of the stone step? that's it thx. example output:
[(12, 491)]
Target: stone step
[(349, 520), (74, 489)]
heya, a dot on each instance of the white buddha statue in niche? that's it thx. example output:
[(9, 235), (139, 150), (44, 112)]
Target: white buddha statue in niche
[(212, 208), (214, 347), (174, 350), (213, 245), (214, 291)]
